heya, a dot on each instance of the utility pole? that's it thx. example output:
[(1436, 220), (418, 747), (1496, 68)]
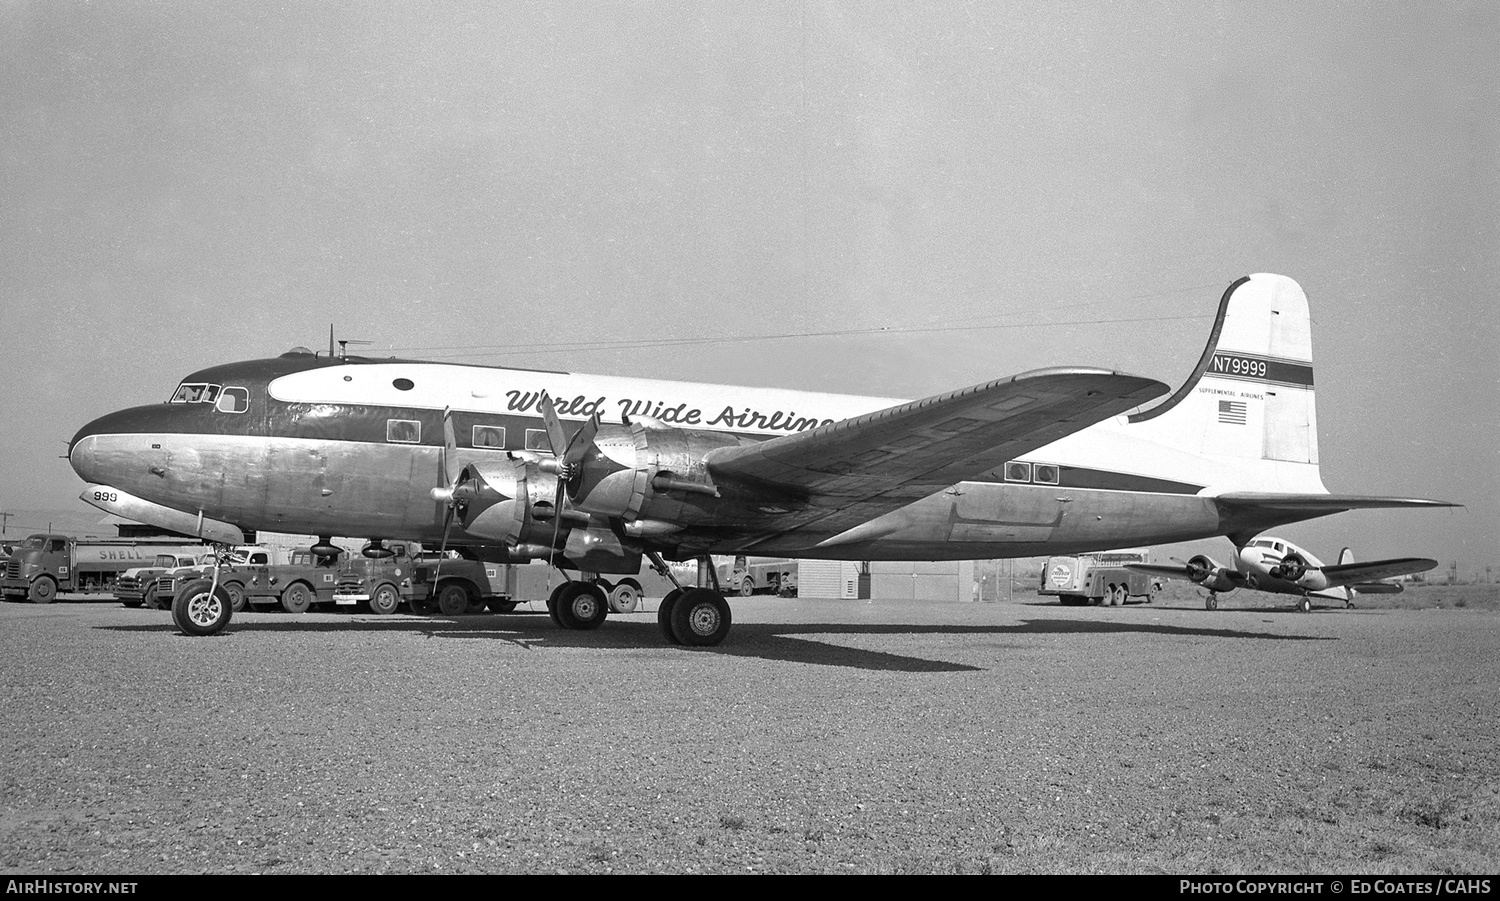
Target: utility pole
[(4, 521)]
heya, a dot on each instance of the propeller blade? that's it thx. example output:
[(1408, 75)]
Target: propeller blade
[(443, 547), (583, 439), (555, 433), (450, 449), (557, 513)]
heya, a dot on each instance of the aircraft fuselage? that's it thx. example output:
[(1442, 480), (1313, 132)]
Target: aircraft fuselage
[(332, 447)]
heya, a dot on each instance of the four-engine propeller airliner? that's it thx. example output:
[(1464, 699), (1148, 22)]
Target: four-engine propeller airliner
[(1276, 565), (480, 458)]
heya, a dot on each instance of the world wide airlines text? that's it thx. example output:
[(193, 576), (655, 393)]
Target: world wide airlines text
[(666, 411)]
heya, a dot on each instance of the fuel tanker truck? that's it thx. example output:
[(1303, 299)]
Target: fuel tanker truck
[(45, 565)]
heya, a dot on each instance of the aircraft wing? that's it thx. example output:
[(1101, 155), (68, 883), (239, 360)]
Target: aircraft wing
[(1375, 570), (1160, 569), (1179, 571), (854, 470)]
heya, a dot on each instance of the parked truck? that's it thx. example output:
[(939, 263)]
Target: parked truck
[(45, 564), (140, 585), (405, 574), (1099, 578), (378, 582), (452, 585), (304, 580), (232, 576)]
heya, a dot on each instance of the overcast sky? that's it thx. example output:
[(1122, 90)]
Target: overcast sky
[(936, 194)]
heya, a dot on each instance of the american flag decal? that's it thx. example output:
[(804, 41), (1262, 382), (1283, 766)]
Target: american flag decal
[(1232, 411)]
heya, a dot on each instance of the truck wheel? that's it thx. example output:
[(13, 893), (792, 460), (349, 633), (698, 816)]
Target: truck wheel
[(500, 605), (42, 591), (199, 609), (297, 598), (236, 593), (452, 599), (747, 587), (625, 597), (421, 606), (385, 600)]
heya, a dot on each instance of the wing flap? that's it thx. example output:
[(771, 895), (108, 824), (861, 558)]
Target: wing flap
[(1320, 503)]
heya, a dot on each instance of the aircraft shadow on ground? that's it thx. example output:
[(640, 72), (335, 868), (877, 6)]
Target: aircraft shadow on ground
[(782, 642)]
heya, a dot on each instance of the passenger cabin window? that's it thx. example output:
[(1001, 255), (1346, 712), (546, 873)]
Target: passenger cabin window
[(234, 400), (1044, 474), (1017, 472), (536, 440), (403, 431), (489, 436)]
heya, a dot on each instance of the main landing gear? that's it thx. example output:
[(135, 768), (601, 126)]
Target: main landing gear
[(694, 617)]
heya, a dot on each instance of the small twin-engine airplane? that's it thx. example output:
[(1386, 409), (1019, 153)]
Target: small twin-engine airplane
[(1278, 566), (481, 459)]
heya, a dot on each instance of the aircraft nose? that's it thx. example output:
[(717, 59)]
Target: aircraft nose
[(84, 449)]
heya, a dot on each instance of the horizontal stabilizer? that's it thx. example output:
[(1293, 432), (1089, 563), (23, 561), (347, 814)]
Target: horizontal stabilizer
[(1378, 588)]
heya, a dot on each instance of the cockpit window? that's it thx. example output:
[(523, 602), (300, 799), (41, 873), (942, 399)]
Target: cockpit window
[(234, 400), (194, 393)]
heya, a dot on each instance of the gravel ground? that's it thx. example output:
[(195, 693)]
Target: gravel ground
[(822, 737)]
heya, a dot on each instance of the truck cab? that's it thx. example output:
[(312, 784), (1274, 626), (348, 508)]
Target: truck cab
[(377, 582), (140, 585)]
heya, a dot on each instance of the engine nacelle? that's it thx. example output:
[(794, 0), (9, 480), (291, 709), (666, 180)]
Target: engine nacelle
[(1207, 572), (1291, 568), (645, 472), (507, 501)]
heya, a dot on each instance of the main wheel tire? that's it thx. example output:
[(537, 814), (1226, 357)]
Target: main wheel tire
[(296, 599), (452, 599), (236, 593), (700, 618), (1211, 602), (664, 615), (1305, 605), (385, 599), (42, 591), (582, 606), (625, 597), (552, 600), (201, 609)]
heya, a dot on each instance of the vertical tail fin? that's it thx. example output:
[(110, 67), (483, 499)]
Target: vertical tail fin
[(1249, 403)]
